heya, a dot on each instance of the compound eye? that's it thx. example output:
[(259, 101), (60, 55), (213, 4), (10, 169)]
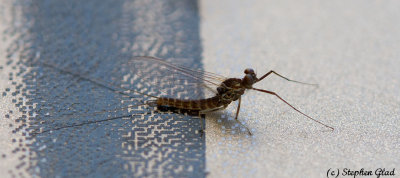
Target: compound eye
[(248, 79), (249, 71)]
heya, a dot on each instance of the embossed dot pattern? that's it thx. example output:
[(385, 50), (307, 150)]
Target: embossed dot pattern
[(60, 132)]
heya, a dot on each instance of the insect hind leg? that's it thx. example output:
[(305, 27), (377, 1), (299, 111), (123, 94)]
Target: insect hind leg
[(213, 110)]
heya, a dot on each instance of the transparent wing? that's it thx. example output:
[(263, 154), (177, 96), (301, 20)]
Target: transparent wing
[(148, 75), (159, 77)]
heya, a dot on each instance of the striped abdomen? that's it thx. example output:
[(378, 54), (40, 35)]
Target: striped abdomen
[(201, 104)]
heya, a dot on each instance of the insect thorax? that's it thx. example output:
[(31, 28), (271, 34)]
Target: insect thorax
[(230, 90)]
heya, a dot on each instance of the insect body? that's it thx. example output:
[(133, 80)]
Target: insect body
[(229, 90), (224, 90)]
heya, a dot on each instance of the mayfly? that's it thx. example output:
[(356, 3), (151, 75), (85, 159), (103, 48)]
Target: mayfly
[(198, 90)]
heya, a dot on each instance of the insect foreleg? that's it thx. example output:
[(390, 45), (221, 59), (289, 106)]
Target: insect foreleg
[(290, 80), (273, 93)]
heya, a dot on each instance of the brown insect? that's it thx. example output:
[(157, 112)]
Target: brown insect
[(203, 91)]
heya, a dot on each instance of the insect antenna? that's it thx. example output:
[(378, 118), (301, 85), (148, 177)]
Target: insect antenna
[(273, 93)]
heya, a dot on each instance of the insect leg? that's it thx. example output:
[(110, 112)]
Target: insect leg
[(273, 93), (238, 108), (202, 123), (212, 110), (237, 114), (290, 80)]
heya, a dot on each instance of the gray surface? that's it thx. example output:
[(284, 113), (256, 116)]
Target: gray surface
[(350, 48), (93, 39)]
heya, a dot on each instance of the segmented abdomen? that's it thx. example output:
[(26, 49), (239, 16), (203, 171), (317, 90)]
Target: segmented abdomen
[(201, 104)]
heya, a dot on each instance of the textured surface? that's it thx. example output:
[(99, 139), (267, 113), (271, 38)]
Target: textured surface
[(46, 131), (350, 48)]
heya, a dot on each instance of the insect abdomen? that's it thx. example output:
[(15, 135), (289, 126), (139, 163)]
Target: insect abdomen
[(201, 104)]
